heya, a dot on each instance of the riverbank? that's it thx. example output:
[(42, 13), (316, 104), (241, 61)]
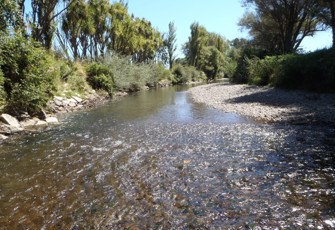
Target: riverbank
[(10, 125), (269, 104)]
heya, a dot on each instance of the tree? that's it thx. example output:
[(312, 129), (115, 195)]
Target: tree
[(328, 15), (206, 51), (11, 16), (196, 41), (280, 25), (170, 44), (77, 27), (43, 20)]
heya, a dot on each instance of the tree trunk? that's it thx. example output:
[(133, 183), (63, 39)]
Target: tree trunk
[(332, 12)]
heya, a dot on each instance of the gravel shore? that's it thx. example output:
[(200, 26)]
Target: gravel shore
[(269, 104)]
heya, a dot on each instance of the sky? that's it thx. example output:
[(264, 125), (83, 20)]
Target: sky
[(219, 16)]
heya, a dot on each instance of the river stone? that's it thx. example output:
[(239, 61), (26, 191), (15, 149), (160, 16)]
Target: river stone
[(3, 137), (41, 123), (8, 129), (66, 102), (52, 120), (72, 102), (58, 98), (10, 120), (77, 99), (29, 122), (58, 102)]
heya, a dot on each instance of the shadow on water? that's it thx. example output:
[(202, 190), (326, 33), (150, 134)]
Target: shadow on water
[(158, 160)]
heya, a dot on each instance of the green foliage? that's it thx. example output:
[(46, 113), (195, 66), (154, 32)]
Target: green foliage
[(100, 77), (28, 74), (170, 44), (314, 71), (129, 76), (184, 74), (280, 26), (261, 71), (2, 91), (241, 74), (206, 51), (27, 97)]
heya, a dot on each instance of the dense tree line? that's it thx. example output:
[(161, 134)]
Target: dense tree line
[(95, 27)]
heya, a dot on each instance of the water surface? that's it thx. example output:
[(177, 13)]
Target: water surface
[(157, 160)]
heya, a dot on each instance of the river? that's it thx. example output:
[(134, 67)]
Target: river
[(158, 160)]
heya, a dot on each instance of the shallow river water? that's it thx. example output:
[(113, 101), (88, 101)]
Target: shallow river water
[(157, 160)]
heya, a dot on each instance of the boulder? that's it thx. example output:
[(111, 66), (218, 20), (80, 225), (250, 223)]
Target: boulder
[(3, 137), (56, 98), (41, 124), (29, 122), (77, 99), (9, 130), (72, 102), (66, 102), (58, 102), (10, 120), (52, 120)]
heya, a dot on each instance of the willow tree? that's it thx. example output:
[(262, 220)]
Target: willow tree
[(206, 51), (281, 25), (196, 42)]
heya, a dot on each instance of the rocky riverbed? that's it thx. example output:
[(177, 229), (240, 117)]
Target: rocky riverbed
[(269, 104)]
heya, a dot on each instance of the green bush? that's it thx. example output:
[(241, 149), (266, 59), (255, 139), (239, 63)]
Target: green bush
[(100, 77), (241, 74), (260, 71), (314, 71), (27, 97), (28, 74), (132, 77), (183, 74)]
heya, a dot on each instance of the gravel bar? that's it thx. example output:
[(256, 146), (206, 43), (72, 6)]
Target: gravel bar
[(269, 104)]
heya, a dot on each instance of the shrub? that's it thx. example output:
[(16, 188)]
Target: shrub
[(260, 71), (100, 77), (130, 76), (314, 71), (184, 74), (241, 74), (28, 74), (180, 76)]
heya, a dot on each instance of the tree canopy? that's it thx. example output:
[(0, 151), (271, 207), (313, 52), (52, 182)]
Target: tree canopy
[(280, 26), (205, 51)]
